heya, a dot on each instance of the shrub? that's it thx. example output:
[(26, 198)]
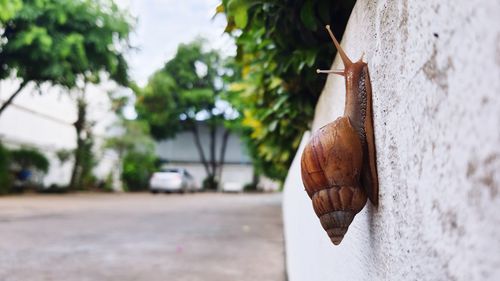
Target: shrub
[(250, 187), (137, 168), (27, 158), (28, 163), (5, 176), (54, 189), (210, 183)]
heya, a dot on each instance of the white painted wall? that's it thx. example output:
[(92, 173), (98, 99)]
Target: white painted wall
[(43, 119), (435, 73), (182, 147)]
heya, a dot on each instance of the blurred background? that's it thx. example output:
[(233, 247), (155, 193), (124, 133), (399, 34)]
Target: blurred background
[(205, 101), (90, 89)]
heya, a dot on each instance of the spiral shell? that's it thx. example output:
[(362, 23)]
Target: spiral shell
[(331, 167)]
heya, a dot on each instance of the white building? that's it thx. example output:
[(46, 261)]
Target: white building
[(181, 152), (43, 119)]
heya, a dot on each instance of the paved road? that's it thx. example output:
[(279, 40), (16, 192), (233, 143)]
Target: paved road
[(141, 237)]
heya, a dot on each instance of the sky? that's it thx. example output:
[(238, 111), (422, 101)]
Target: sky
[(163, 24)]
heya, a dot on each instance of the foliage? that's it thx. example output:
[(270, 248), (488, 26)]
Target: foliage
[(137, 168), (28, 158), (250, 187), (209, 182), (8, 9), (134, 137), (184, 92), (107, 185), (53, 189), (279, 43), (63, 155), (63, 42), (5, 176), (87, 163), (178, 92), (19, 160), (84, 160), (132, 142)]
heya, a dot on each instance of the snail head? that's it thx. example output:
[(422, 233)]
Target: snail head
[(345, 59)]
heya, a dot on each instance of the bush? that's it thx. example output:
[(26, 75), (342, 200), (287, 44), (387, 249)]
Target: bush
[(16, 166), (275, 89), (210, 183), (108, 183), (137, 169), (54, 189), (250, 187), (28, 165), (5, 176), (27, 158)]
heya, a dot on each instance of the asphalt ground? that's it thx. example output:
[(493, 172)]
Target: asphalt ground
[(203, 236)]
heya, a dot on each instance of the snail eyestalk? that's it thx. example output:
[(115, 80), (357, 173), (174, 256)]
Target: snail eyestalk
[(343, 56), (340, 72), (362, 56)]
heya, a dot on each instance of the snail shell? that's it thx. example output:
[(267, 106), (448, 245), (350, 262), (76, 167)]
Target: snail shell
[(331, 169)]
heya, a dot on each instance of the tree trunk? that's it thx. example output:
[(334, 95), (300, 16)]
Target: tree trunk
[(196, 136), (75, 182), (213, 161), (76, 172), (13, 96), (223, 147)]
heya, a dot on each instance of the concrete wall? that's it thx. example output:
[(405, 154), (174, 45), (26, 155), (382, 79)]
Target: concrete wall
[(435, 73)]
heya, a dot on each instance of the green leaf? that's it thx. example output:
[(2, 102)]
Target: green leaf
[(60, 41), (307, 15), (240, 17), (8, 8), (310, 57), (272, 126)]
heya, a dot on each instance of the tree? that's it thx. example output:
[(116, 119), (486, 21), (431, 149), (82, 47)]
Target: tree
[(65, 43), (280, 44), (185, 92), (84, 159), (63, 155), (133, 144), (62, 42), (135, 149)]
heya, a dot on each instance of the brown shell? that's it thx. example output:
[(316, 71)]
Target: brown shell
[(331, 167)]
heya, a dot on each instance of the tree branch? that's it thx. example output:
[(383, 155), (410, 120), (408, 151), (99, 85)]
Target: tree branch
[(223, 147), (213, 140), (196, 135), (13, 96)]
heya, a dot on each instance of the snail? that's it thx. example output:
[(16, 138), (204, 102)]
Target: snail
[(338, 165)]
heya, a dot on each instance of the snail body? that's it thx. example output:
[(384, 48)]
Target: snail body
[(338, 164)]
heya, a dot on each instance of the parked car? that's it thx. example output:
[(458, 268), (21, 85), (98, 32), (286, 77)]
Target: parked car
[(172, 180)]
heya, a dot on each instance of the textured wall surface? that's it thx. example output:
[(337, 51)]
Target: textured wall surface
[(435, 73)]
